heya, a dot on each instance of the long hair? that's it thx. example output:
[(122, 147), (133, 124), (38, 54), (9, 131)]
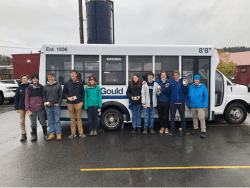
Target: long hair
[(137, 84)]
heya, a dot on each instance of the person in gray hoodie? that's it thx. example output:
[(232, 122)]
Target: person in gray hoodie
[(149, 93), (53, 97)]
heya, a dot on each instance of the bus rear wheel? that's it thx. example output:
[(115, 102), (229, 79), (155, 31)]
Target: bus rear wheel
[(235, 114), (111, 120)]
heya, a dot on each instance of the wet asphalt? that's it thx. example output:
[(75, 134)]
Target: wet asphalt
[(58, 163)]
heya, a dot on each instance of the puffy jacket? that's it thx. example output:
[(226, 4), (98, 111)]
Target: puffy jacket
[(71, 89), (177, 94), (53, 93), (34, 98), (93, 96), (164, 97), (197, 96), (20, 96)]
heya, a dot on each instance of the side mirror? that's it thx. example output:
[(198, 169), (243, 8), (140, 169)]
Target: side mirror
[(232, 78)]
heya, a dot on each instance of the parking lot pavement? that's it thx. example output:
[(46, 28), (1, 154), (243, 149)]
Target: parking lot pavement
[(6, 107), (59, 163)]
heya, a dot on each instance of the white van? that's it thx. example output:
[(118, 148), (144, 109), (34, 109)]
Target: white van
[(7, 90), (113, 66)]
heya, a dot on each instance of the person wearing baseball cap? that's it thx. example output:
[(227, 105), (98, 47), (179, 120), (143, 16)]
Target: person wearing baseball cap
[(93, 104)]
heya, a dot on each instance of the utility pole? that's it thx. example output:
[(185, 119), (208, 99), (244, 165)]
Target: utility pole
[(81, 22)]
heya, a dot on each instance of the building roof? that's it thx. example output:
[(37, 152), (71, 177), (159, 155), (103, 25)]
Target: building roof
[(240, 58)]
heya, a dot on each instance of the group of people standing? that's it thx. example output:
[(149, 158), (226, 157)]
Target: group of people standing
[(167, 96), (35, 100)]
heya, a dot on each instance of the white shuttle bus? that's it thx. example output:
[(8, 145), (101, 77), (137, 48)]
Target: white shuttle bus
[(113, 67)]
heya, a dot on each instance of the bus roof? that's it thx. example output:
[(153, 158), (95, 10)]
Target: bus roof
[(128, 49)]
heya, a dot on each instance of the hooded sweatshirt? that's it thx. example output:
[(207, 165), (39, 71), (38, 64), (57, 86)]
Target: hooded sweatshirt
[(53, 93)]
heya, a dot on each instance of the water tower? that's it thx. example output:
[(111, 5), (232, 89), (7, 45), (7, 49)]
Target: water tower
[(100, 21)]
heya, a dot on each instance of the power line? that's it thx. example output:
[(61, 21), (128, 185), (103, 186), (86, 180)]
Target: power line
[(14, 43), (16, 47)]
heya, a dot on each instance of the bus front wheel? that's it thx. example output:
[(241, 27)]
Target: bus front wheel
[(235, 114), (111, 120)]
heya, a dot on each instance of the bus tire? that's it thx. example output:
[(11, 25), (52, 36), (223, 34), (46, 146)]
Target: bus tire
[(1, 98), (111, 120), (235, 114)]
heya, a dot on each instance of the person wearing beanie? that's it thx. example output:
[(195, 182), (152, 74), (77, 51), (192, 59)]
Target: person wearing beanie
[(20, 104), (198, 100), (93, 104), (73, 91), (34, 106)]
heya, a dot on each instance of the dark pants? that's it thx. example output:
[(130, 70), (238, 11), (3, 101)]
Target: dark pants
[(163, 111), (93, 117), (181, 109)]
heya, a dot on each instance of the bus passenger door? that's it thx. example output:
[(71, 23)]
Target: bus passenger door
[(197, 65)]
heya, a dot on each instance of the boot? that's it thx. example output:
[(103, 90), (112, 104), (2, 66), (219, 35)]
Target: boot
[(202, 134), (23, 138), (33, 135), (91, 133), (59, 136), (134, 130), (145, 131), (50, 137), (45, 132), (152, 130), (195, 131), (138, 130)]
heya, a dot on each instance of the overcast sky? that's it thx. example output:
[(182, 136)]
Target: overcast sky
[(30, 23)]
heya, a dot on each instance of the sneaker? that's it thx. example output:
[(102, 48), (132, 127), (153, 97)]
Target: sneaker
[(145, 131), (170, 134), (162, 130), (194, 131), (202, 134), (23, 138), (45, 136), (59, 136), (187, 133), (72, 136), (138, 130), (134, 130), (95, 133), (91, 133), (166, 130), (152, 130), (50, 137), (82, 135)]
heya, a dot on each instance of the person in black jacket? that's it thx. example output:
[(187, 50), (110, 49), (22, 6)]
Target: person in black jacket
[(73, 91), (20, 104), (53, 97), (134, 95)]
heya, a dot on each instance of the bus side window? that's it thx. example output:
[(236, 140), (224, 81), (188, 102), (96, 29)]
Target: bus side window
[(219, 89)]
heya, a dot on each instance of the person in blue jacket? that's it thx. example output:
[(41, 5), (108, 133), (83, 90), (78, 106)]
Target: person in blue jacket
[(177, 89), (198, 101), (20, 104), (163, 103)]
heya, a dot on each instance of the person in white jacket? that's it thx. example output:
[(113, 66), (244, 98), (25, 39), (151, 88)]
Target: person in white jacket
[(149, 94)]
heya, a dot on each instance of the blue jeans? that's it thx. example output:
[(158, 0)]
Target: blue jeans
[(53, 114), (93, 117), (149, 116), (181, 109), (136, 116)]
